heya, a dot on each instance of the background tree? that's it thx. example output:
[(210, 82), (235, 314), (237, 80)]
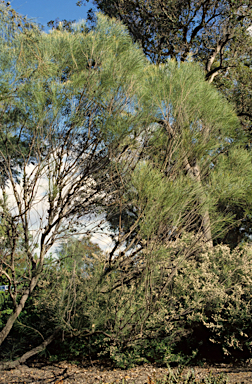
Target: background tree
[(213, 33), (207, 30), (76, 251)]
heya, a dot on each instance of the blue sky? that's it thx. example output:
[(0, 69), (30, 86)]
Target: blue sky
[(43, 11)]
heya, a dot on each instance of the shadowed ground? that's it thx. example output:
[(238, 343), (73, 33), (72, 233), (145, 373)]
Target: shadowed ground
[(64, 373)]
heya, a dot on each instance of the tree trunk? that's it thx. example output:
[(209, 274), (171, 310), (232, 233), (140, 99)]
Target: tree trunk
[(207, 228), (27, 355), (6, 330), (194, 173)]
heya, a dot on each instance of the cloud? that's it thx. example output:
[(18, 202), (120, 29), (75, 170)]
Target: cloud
[(37, 214)]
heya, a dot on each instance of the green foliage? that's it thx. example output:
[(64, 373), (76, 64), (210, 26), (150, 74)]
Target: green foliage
[(72, 96), (157, 149), (179, 153), (76, 251), (214, 34), (211, 289), (210, 294), (179, 377)]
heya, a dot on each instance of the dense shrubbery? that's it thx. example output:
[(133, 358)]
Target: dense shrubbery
[(205, 313)]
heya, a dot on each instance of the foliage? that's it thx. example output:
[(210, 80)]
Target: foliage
[(102, 133), (12, 25), (217, 35), (206, 30), (180, 153), (208, 301), (178, 377), (204, 312), (70, 92)]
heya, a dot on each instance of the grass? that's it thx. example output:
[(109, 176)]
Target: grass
[(179, 377)]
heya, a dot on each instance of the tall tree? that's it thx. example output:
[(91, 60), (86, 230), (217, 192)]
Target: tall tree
[(177, 29), (12, 25), (188, 143), (213, 33), (72, 94), (170, 205), (105, 129)]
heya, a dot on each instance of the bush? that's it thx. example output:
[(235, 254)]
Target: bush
[(204, 312)]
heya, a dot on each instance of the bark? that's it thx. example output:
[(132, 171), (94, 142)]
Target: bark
[(194, 173), (6, 330), (27, 355), (212, 73), (207, 228)]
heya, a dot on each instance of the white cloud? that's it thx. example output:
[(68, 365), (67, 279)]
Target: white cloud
[(249, 29), (38, 211)]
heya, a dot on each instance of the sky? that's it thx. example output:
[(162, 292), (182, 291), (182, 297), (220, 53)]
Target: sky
[(42, 11), (38, 212)]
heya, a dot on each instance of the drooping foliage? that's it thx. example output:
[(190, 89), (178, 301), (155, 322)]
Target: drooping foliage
[(183, 153), (72, 94), (105, 140), (216, 34)]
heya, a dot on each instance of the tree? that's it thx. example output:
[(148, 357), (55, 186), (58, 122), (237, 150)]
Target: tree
[(178, 29), (189, 144), (69, 92), (213, 33), (170, 204), (12, 25), (107, 132)]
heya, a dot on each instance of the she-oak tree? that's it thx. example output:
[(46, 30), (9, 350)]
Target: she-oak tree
[(97, 128), (64, 114), (214, 33)]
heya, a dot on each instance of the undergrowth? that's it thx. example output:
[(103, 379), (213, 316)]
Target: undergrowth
[(179, 377)]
